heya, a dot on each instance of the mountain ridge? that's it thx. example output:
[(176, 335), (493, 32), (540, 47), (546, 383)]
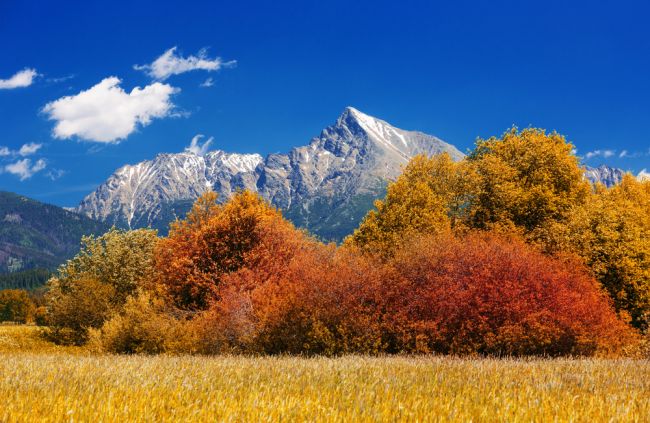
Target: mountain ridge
[(326, 186)]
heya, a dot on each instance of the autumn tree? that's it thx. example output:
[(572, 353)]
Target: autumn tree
[(488, 294), (430, 197), (84, 304), (213, 241), (611, 232), (321, 300), (15, 306), (97, 281), (527, 181)]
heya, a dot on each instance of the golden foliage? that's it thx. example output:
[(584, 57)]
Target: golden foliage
[(611, 232), (97, 282), (16, 306), (428, 198)]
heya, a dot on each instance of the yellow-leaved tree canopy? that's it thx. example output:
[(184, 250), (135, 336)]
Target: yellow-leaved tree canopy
[(98, 281), (429, 197), (612, 233), (531, 183), (527, 181)]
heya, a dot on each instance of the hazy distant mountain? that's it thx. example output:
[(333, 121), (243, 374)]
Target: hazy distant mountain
[(326, 186), (610, 176), (37, 235), (604, 174)]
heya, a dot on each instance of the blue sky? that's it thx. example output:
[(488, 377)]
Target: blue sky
[(70, 113)]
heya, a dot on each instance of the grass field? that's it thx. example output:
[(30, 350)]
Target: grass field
[(69, 385)]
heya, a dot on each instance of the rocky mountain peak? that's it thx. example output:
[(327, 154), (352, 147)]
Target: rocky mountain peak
[(326, 186)]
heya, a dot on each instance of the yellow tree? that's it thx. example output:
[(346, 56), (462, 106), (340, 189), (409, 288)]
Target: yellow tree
[(527, 181), (15, 306), (97, 281), (612, 234), (429, 197)]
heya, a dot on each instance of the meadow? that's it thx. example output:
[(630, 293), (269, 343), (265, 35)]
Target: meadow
[(41, 382)]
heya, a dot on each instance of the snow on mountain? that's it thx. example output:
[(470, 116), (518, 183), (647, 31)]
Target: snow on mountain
[(606, 175), (610, 176), (326, 186)]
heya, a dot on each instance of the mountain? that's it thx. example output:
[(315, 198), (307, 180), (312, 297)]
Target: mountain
[(38, 235), (606, 175), (610, 176), (326, 186)]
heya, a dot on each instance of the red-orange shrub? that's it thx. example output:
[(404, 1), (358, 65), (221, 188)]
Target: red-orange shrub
[(492, 295), (216, 240), (320, 301)]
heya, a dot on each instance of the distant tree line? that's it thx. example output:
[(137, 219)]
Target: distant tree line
[(26, 279), (20, 306)]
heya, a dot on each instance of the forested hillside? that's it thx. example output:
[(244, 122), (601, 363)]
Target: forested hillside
[(37, 235)]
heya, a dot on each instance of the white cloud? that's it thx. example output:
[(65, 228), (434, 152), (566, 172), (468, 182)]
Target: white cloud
[(55, 174), (24, 168), (106, 113), (172, 64), (29, 149), (197, 149), (4, 151), (600, 153), (21, 79), (623, 154), (207, 83), (56, 80)]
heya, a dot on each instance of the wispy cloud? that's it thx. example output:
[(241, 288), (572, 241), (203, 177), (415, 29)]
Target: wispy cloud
[(21, 79), (207, 83), (106, 113), (600, 153), (170, 63), (25, 150), (623, 154), (56, 80), (199, 149), (24, 168), (75, 188), (29, 149)]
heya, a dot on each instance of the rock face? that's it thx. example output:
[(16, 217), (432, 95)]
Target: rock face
[(606, 175), (326, 186)]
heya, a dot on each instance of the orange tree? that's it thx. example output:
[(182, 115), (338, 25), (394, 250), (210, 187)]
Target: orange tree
[(215, 240)]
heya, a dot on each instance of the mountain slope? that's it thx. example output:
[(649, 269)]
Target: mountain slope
[(606, 175), (38, 235), (326, 186), (610, 176)]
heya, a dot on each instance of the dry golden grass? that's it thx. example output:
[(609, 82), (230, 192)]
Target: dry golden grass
[(23, 338), (65, 387)]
